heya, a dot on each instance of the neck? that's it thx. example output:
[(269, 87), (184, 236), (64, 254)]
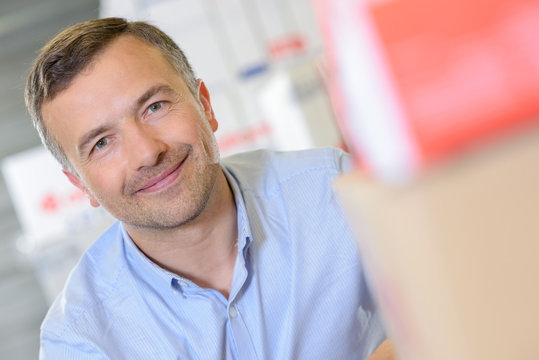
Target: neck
[(204, 250)]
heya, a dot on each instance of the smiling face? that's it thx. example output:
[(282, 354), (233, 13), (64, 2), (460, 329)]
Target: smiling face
[(142, 145)]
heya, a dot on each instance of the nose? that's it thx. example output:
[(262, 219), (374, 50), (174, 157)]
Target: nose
[(143, 146)]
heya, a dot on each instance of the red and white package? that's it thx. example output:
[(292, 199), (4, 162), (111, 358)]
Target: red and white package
[(416, 82)]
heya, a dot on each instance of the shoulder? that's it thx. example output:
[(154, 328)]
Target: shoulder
[(93, 280), (266, 171)]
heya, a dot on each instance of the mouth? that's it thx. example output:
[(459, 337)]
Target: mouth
[(163, 180)]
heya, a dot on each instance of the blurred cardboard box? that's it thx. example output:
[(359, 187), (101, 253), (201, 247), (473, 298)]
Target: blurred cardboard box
[(48, 206), (439, 102), (416, 82), (454, 255), (57, 221)]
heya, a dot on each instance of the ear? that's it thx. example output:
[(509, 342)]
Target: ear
[(75, 180), (204, 98)]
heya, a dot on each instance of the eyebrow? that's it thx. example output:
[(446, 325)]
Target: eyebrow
[(90, 135)]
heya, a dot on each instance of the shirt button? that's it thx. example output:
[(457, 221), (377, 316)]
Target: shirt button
[(232, 312)]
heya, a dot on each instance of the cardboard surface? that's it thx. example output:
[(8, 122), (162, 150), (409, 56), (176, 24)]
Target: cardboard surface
[(454, 256)]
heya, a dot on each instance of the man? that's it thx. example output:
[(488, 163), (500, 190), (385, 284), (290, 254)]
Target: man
[(248, 258)]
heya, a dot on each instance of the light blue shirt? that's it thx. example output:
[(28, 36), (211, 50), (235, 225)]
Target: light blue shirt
[(298, 289)]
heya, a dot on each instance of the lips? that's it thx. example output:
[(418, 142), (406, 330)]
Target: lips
[(163, 180)]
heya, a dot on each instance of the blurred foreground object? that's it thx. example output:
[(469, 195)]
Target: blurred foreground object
[(439, 103), (416, 82), (454, 256)]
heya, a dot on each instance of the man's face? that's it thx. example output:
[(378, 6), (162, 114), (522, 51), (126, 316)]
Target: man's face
[(142, 145)]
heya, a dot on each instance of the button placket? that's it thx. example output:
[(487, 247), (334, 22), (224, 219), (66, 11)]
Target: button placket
[(232, 312)]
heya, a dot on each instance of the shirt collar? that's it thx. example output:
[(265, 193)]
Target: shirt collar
[(244, 230), (142, 264)]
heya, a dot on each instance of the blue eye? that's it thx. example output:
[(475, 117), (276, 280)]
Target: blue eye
[(155, 107), (101, 143)]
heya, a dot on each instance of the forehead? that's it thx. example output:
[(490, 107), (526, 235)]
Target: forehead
[(126, 63), (126, 58), (126, 52)]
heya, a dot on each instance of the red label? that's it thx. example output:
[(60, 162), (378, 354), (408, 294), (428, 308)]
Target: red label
[(464, 70)]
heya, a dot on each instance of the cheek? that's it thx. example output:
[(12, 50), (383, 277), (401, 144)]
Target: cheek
[(182, 127), (107, 178), (209, 144)]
